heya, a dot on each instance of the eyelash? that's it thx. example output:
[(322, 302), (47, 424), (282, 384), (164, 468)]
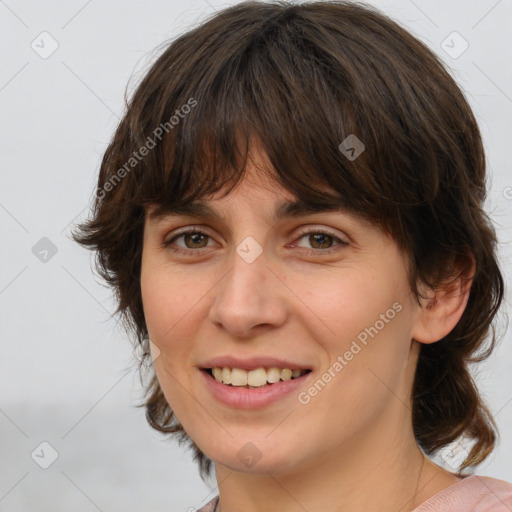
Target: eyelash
[(311, 252)]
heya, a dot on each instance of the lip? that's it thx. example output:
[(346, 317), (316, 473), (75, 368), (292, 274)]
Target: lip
[(252, 363), (245, 398)]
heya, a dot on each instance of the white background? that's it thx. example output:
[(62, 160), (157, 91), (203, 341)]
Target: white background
[(67, 372)]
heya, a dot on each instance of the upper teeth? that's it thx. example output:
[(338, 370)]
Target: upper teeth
[(256, 378)]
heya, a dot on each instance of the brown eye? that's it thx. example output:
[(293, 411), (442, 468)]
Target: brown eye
[(321, 242), (321, 239), (192, 240), (195, 239)]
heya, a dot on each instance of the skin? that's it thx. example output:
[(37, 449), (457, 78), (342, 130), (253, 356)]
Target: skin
[(351, 447)]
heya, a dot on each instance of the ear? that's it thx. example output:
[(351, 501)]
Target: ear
[(440, 312)]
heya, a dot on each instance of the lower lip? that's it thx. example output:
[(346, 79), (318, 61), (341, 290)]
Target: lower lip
[(246, 398)]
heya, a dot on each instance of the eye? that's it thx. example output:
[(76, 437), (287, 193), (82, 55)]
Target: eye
[(192, 238), (322, 241)]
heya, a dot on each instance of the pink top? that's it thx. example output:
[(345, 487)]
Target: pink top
[(470, 494)]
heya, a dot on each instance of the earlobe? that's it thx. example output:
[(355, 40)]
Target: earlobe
[(442, 308)]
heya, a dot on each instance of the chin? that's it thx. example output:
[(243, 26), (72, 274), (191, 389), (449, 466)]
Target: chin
[(249, 459)]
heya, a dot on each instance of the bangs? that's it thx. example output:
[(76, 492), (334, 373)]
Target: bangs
[(273, 92)]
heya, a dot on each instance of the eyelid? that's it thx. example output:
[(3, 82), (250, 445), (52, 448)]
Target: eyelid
[(322, 229), (303, 231), (191, 228), (186, 230)]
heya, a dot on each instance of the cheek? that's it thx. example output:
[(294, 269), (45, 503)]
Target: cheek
[(164, 301), (363, 379), (367, 317), (154, 301), (168, 311), (348, 302), (174, 310)]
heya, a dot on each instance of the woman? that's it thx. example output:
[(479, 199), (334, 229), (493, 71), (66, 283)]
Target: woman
[(290, 213)]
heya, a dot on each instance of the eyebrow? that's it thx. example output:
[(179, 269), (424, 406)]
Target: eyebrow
[(285, 209)]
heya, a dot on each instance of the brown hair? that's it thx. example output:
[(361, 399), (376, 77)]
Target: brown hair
[(301, 78)]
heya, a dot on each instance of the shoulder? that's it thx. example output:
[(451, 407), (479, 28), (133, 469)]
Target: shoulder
[(210, 506), (473, 493)]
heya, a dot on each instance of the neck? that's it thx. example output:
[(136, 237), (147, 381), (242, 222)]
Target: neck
[(382, 470)]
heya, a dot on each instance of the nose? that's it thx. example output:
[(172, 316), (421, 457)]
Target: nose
[(249, 298)]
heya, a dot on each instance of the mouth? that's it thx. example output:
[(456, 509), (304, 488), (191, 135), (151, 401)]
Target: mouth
[(253, 379)]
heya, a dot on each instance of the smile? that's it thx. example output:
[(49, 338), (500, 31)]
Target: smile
[(254, 378), (242, 395)]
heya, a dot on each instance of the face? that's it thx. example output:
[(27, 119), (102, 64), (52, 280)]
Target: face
[(323, 291)]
